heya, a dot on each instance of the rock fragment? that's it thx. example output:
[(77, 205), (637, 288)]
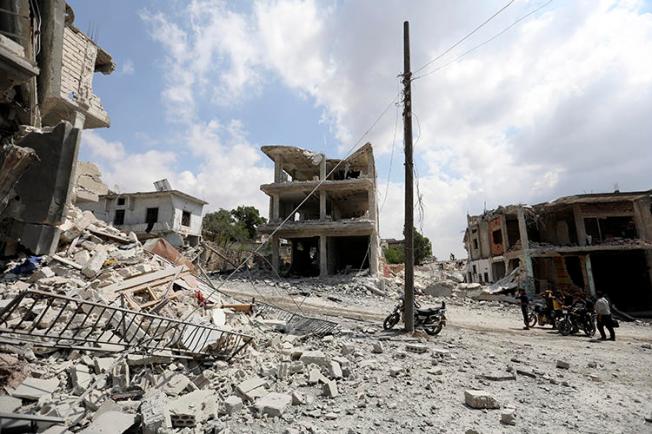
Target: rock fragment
[(480, 400)]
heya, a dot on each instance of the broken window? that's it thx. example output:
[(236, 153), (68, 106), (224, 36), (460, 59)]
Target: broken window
[(185, 219), (346, 254), (497, 236), (151, 217), (475, 243), (121, 201), (119, 217), (486, 277), (600, 229), (475, 270)]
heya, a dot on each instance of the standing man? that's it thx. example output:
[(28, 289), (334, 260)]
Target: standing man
[(603, 311), (525, 301)]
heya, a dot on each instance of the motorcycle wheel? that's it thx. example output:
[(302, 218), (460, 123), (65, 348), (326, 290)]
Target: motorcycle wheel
[(433, 328), (589, 329), (565, 327), (532, 319), (391, 321)]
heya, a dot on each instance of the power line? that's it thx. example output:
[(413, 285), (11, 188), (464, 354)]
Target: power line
[(452, 47), (391, 158), (506, 29)]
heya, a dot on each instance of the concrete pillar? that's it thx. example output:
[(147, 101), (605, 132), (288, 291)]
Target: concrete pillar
[(579, 225), (322, 205), (643, 218), (323, 256), (371, 198), (79, 120), (373, 254), (322, 167), (503, 231), (589, 274), (525, 246), (276, 204), (276, 259), (278, 169)]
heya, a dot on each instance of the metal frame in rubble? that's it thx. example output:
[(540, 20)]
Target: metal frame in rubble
[(85, 325), (296, 323)]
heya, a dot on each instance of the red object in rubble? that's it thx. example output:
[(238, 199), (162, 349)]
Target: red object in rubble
[(200, 298)]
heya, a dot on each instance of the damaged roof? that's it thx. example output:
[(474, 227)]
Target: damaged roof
[(112, 195)]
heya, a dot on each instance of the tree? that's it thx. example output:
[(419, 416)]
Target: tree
[(422, 247), (250, 218), (237, 225), (422, 250)]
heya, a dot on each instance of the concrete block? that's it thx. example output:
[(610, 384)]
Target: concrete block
[(9, 404), (334, 370), (508, 417), (232, 404), (80, 376), (316, 357), (377, 348), (480, 400), (329, 389), (273, 404), (416, 348), (33, 389), (154, 412), (173, 384), (193, 408), (103, 364), (563, 365), (94, 265), (316, 376), (111, 422), (251, 388)]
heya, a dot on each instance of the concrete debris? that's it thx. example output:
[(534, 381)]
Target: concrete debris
[(562, 364), (329, 389), (480, 400), (273, 404), (154, 412), (33, 389), (111, 422), (508, 417), (193, 408), (232, 404), (252, 388)]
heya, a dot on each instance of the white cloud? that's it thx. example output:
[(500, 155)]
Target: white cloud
[(555, 106), (128, 67)]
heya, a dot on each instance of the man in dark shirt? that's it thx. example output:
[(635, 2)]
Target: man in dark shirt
[(525, 301)]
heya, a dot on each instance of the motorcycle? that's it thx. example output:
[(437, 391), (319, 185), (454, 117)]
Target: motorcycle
[(431, 319), (575, 318), (544, 316)]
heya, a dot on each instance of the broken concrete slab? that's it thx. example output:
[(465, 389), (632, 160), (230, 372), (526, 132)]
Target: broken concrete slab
[(315, 357), (479, 399), (193, 408), (94, 265), (9, 404), (561, 364), (81, 378), (111, 422), (174, 383), (273, 404), (329, 390), (251, 388), (232, 405), (154, 412), (33, 389), (497, 376)]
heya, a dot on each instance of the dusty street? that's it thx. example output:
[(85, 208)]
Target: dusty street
[(607, 387)]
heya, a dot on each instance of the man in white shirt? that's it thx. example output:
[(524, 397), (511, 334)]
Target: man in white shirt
[(603, 311)]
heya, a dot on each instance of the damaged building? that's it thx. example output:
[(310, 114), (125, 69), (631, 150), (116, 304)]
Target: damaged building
[(336, 227), (46, 98), (165, 213), (575, 244)]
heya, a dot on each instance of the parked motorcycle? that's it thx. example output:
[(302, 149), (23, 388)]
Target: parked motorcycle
[(542, 315), (431, 319), (575, 318)]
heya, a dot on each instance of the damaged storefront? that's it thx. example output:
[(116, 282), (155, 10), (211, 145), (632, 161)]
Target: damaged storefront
[(335, 227), (576, 245)]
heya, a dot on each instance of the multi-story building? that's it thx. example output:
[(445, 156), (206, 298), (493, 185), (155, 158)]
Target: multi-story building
[(335, 228), (584, 243)]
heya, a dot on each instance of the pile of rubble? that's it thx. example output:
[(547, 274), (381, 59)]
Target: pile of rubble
[(109, 335)]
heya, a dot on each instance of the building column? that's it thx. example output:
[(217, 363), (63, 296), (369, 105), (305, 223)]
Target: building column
[(276, 259), (580, 229), (276, 203), (322, 205), (503, 231), (373, 254), (525, 249), (278, 169), (643, 218), (322, 167), (323, 256), (589, 274)]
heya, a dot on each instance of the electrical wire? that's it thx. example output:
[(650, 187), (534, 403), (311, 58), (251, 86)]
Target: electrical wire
[(391, 158), (468, 35), (505, 30)]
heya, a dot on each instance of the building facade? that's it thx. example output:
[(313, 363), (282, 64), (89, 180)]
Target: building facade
[(172, 215), (575, 244), (336, 227)]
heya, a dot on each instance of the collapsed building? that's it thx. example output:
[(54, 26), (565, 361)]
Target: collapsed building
[(584, 243), (46, 98), (336, 227)]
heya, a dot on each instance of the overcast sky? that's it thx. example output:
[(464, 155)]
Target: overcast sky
[(559, 104)]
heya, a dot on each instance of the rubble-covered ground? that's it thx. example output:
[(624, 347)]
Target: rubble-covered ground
[(483, 373)]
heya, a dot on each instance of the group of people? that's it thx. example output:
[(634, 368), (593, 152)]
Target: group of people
[(601, 306)]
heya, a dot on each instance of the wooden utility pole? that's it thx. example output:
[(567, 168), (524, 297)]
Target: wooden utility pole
[(408, 229)]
